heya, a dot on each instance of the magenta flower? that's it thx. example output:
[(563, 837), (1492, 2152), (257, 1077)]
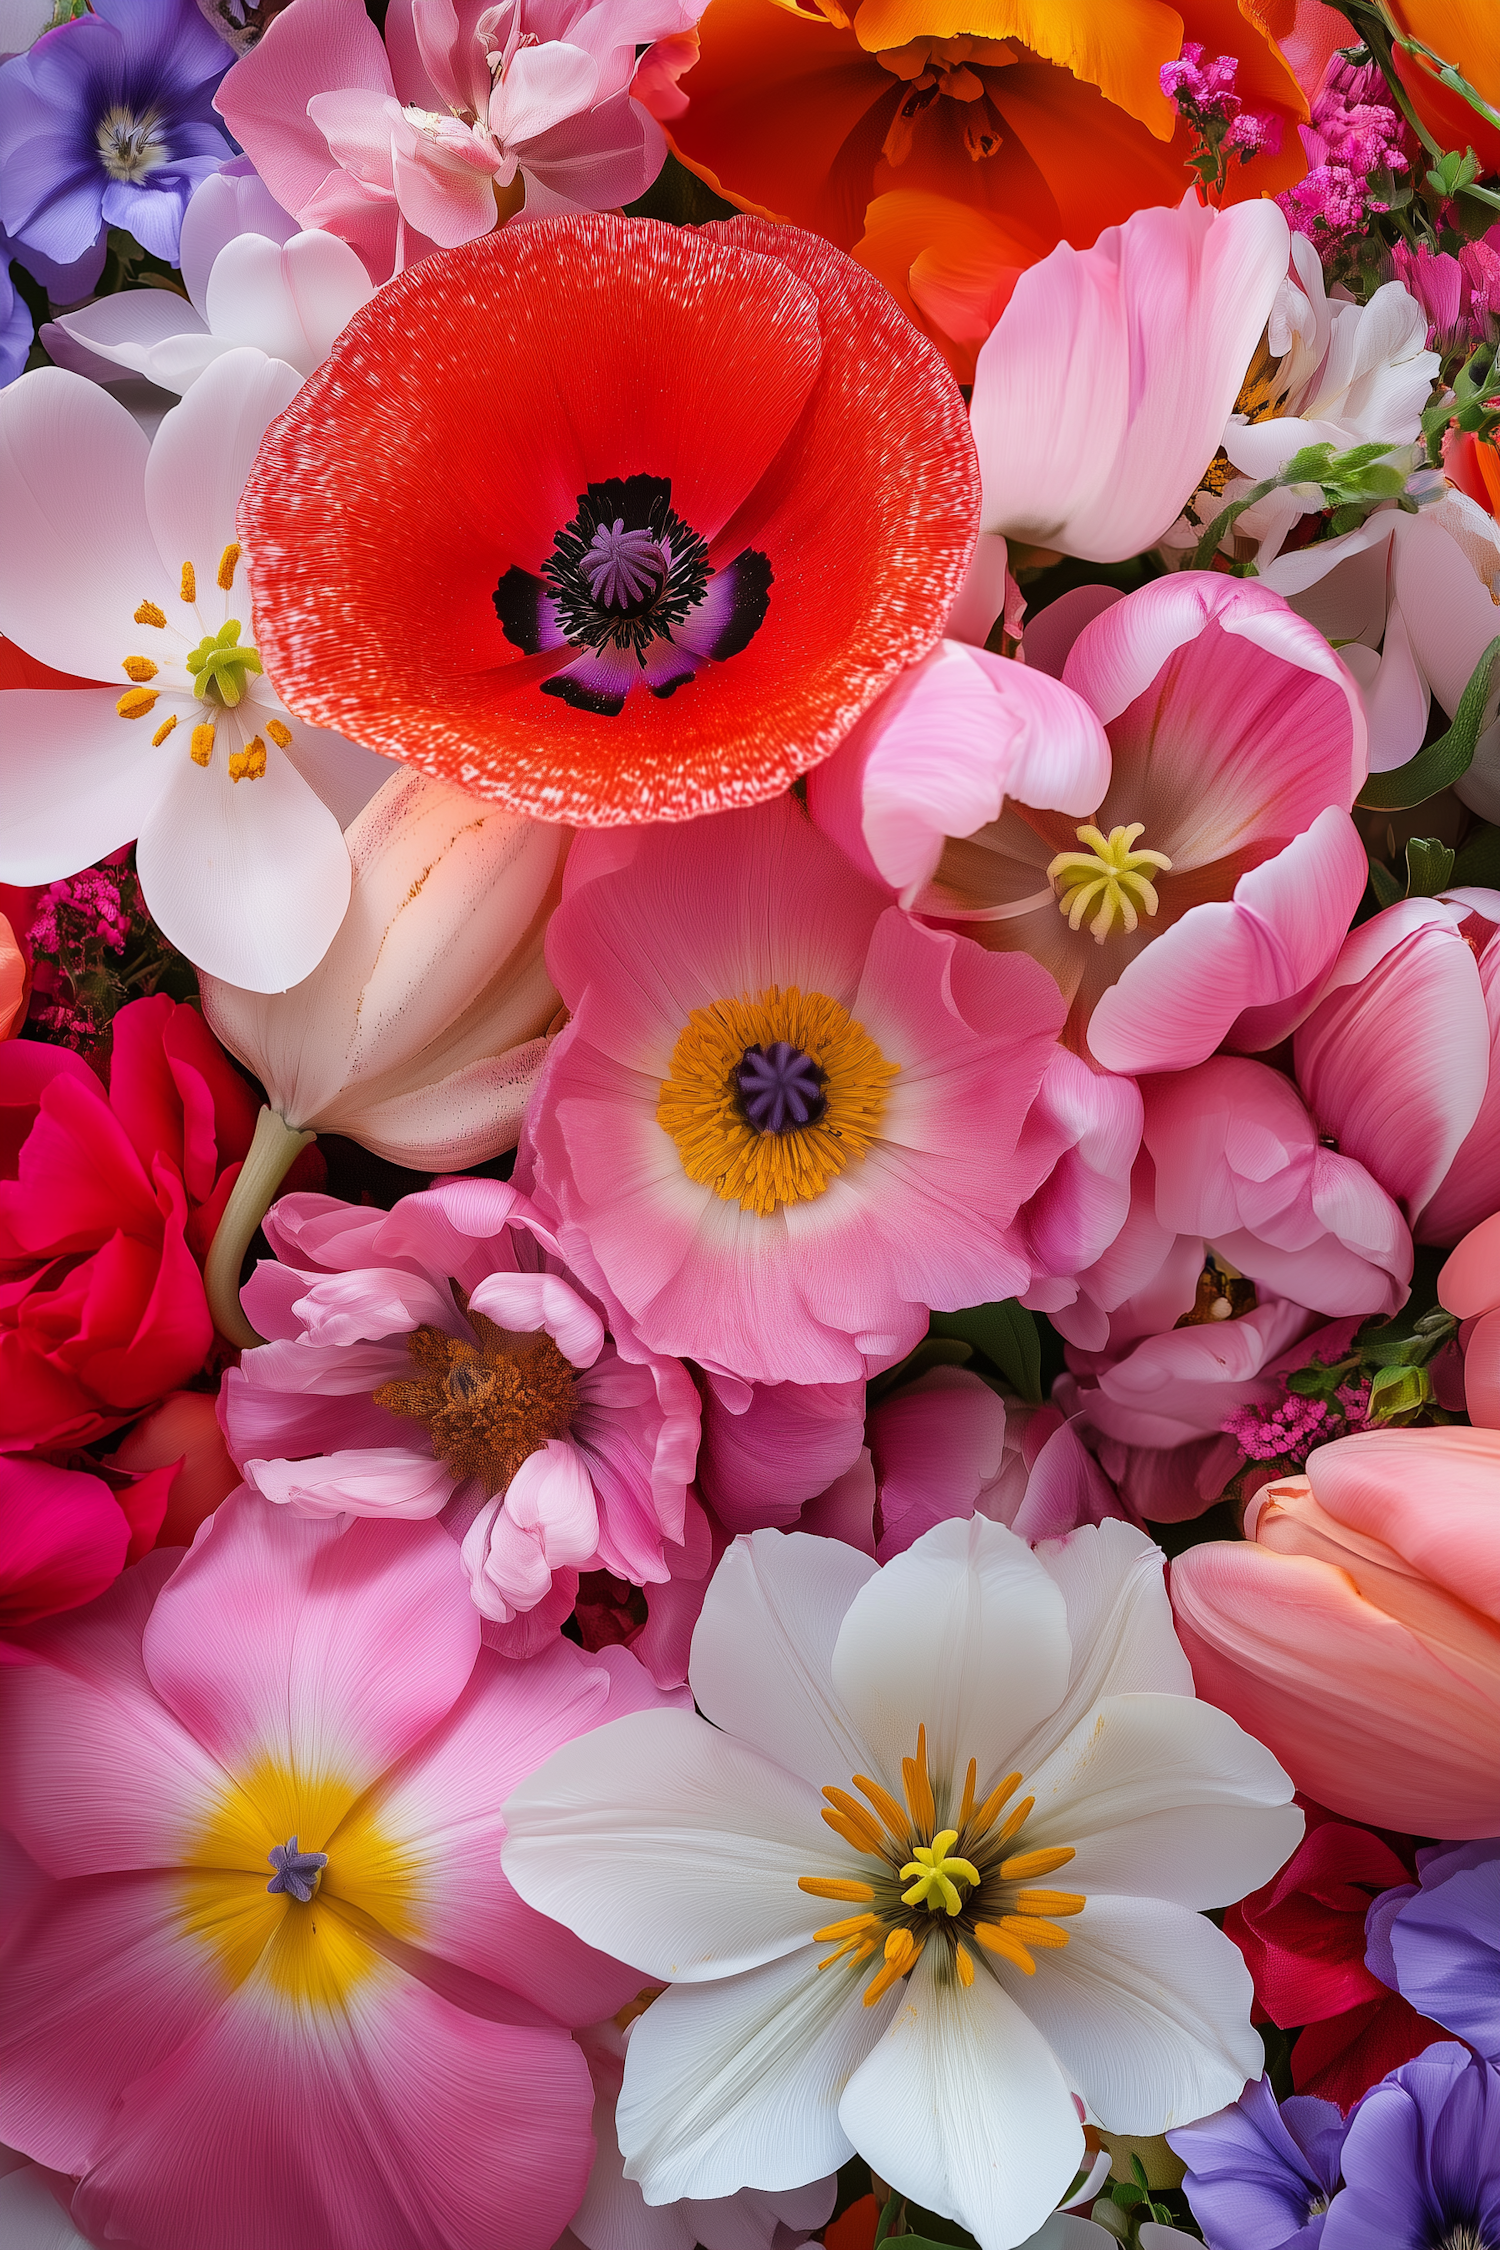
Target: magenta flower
[(784, 1119), (440, 1359), (275, 1986), (1209, 886), (65, 1535)]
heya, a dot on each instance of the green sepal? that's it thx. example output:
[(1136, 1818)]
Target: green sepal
[(1007, 1336), (1442, 762)]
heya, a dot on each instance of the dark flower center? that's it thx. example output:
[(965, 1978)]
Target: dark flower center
[(485, 1406), (626, 570), (780, 1087), (297, 1871)]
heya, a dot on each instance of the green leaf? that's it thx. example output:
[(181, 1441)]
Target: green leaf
[(1397, 1393), (1443, 761), (1384, 884), (1429, 865), (1477, 866), (1127, 2195), (1007, 1336)]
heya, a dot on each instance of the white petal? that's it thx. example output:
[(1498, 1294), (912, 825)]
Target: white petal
[(76, 779), (31, 2218), (1148, 2007), (77, 554), (224, 205), (125, 329), (249, 879), (1166, 1797), (737, 2084), (762, 1658), (966, 1634), (963, 2107), (343, 773), (1119, 1622), (289, 300), (666, 1843), (201, 458)]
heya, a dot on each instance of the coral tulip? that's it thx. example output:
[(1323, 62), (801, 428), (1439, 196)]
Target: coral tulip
[(1356, 1630), (1469, 1287)]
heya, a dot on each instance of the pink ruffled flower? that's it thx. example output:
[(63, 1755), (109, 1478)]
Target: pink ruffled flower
[(785, 1119), (274, 1973), (1210, 890), (440, 1359), (467, 114)]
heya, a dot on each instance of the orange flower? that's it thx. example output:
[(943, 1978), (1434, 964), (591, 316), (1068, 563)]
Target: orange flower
[(949, 145)]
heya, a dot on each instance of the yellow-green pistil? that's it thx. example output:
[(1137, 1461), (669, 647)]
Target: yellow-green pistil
[(219, 665)]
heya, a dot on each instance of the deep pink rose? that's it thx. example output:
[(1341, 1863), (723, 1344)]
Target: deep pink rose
[(108, 1202)]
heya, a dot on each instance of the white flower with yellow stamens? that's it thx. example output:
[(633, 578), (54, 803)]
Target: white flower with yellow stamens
[(928, 1745), (120, 564)]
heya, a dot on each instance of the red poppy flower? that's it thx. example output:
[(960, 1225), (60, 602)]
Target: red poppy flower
[(644, 524)]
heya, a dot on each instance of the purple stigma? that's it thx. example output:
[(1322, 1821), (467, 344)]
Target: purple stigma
[(625, 569), (780, 1087), (297, 1872)]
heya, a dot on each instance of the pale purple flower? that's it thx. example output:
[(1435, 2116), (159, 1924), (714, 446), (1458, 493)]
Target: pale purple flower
[(440, 1359), (15, 327), (1259, 2177), (108, 122), (1421, 2159), (1437, 1941)]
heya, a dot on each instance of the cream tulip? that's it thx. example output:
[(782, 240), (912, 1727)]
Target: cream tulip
[(421, 1032)]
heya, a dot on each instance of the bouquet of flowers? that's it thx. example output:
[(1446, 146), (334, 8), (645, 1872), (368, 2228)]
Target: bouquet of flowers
[(749, 1124)]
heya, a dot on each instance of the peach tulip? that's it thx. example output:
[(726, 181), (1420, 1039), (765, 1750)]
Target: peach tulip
[(1356, 1629), (1469, 1288)]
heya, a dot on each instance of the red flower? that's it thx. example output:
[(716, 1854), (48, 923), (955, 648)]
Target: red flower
[(1303, 1938), (66, 1535), (108, 1202), (637, 533)]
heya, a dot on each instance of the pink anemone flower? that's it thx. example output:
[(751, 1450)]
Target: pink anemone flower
[(1212, 881), (439, 1358), (274, 1984), (785, 1119)]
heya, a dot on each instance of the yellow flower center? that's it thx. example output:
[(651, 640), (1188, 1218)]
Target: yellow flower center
[(925, 1891), (217, 672), (1109, 879), (768, 1099), (130, 146)]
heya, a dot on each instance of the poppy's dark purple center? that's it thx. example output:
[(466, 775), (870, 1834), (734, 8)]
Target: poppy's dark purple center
[(297, 1871), (780, 1087), (626, 570)]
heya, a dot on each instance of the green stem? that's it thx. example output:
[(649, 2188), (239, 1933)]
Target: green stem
[(265, 1167)]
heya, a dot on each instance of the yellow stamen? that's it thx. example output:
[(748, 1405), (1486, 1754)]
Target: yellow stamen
[(189, 583), (163, 731), (918, 1786), (857, 1829), (1031, 1929), (701, 1108), (250, 763), (885, 1804), (859, 1949), (201, 748), (935, 1873), (136, 702), (1029, 1864), (280, 735), (967, 1806), (227, 563), (139, 668), (855, 1926), (1110, 872), (996, 1939), (963, 1961), (902, 1952), (149, 614), (1050, 1902), (832, 1886), (1015, 1821), (989, 1811)]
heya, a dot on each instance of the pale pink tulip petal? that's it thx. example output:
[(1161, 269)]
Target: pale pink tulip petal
[(551, 1497), (1470, 1280), (289, 300), (1143, 342), (1471, 1190), (123, 330), (358, 1481), (530, 1301), (542, 86), (280, 1639), (1050, 635), (1482, 1372), (1094, 1120)]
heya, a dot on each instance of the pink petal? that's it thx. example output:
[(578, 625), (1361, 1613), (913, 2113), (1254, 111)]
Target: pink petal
[(264, 99), (63, 1537), (769, 1447), (1470, 1281), (935, 1444), (376, 1480), (330, 1653), (526, 1302), (550, 1495)]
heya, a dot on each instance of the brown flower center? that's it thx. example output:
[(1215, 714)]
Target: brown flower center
[(487, 1405)]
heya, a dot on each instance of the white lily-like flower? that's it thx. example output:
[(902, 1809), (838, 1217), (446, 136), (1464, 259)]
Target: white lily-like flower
[(252, 278), (844, 1871), (121, 564)]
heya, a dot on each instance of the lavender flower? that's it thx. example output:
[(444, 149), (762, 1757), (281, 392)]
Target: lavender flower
[(108, 122), (1437, 1942), (1259, 2177), (1422, 2159), (15, 328)]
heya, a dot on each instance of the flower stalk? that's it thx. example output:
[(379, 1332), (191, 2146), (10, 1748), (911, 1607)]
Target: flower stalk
[(273, 1150)]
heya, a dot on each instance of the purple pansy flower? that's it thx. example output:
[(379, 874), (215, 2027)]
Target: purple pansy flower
[(1422, 2159), (108, 122), (1437, 1942), (1259, 2177)]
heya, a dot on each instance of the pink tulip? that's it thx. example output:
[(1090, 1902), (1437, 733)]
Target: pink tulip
[(1356, 1629), (1469, 1287), (1208, 892), (376, 2052), (1419, 987), (1111, 373)]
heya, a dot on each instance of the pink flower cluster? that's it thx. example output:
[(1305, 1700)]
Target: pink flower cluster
[(93, 903), (1460, 295), (1205, 95), (1350, 140), (1289, 1430)]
